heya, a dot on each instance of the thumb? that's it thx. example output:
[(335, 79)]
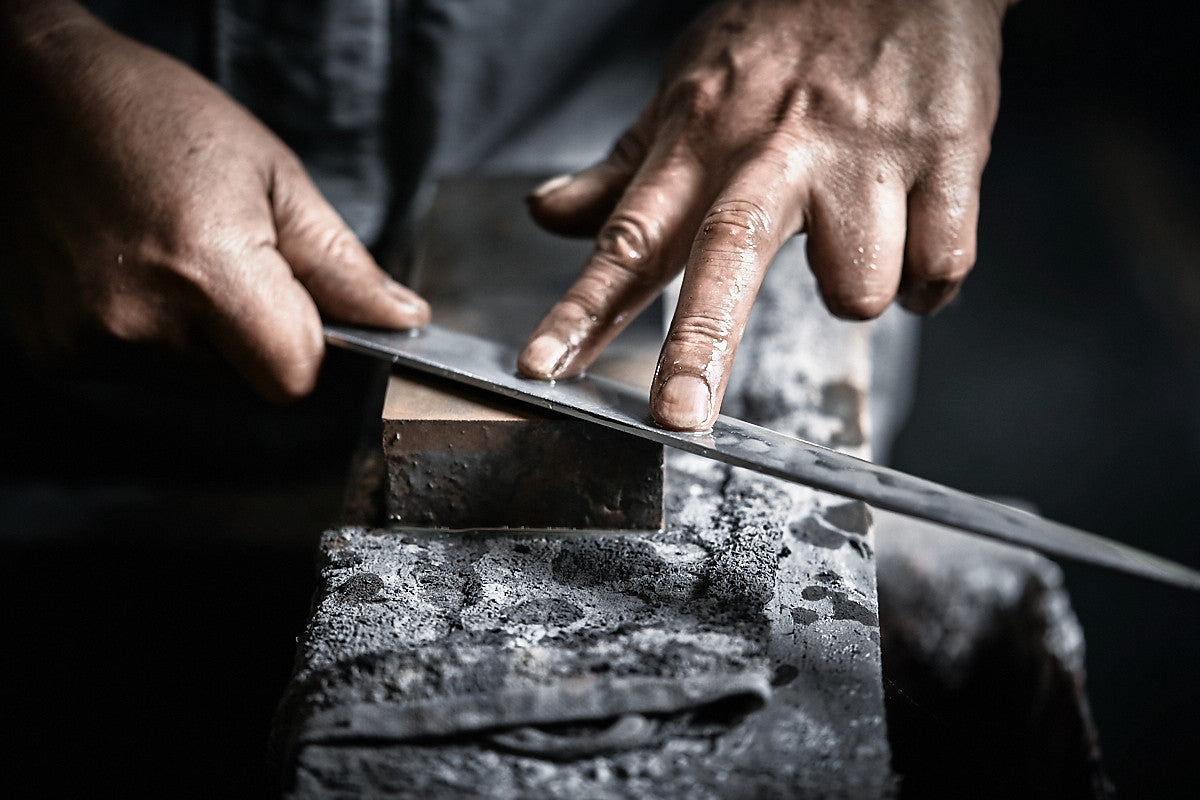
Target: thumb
[(332, 264), (579, 204), (268, 327)]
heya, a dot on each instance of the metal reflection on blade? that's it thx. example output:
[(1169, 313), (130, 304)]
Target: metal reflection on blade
[(491, 366)]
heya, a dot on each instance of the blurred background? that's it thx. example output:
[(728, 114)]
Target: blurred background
[(1067, 373), (156, 568)]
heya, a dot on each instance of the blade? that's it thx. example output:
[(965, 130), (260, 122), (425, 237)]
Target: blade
[(491, 366)]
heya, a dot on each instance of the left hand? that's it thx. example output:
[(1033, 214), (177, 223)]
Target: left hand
[(867, 125), (143, 207)]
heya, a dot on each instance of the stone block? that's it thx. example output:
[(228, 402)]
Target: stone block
[(460, 459), (986, 659), (734, 653)]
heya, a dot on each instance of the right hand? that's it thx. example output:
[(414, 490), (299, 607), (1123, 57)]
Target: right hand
[(144, 205), (864, 124)]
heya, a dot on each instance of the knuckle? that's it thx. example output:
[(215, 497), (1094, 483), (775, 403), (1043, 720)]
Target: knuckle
[(958, 120), (927, 296), (967, 108), (628, 242), (338, 244), (331, 241), (697, 328), (947, 265), (827, 99), (579, 308), (738, 225), (856, 282), (696, 96)]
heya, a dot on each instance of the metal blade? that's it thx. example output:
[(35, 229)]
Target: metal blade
[(491, 366)]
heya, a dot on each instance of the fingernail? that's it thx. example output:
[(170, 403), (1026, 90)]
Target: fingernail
[(551, 186), (405, 300), (545, 356), (685, 401)]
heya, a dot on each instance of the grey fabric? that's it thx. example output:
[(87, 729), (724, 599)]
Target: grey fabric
[(379, 97), (318, 74), (182, 28)]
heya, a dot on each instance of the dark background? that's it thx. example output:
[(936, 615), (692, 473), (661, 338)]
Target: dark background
[(156, 562), (1067, 373)]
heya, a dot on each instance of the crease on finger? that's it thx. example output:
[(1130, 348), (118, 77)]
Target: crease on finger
[(734, 244), (640, 247)]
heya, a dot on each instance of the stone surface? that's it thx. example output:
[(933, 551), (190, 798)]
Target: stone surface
[(462, 459), (985, 658), (734, 653)]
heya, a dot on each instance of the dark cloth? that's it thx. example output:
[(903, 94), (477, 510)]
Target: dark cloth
[(380, 97)]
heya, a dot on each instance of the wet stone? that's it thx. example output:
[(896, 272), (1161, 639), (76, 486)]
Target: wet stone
[(853, 517), (491, 644), (815, 532), (548, 611), (804, 616), (360, 588)]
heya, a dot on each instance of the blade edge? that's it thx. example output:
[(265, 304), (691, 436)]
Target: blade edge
[(480, 363)]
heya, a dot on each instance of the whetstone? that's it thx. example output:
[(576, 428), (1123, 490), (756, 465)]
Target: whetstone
[(459, 459), (436, 661)]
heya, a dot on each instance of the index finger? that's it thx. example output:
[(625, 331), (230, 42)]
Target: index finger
[(638, 251), (756, 212)]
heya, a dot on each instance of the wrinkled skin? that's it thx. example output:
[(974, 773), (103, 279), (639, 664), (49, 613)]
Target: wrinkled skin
[(147, 207), (864, 124)]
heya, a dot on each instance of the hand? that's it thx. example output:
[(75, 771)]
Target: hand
[(865, 124), (148, 207)]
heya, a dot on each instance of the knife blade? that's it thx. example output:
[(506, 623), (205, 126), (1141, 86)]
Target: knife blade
[(491, 366)]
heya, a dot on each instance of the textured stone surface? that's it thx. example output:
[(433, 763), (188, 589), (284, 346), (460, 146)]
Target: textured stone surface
[(414, 623), (734, 653), (986, 658)]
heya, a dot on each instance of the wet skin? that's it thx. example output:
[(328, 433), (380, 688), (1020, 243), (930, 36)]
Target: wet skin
[(864, 124), (145, 206)]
